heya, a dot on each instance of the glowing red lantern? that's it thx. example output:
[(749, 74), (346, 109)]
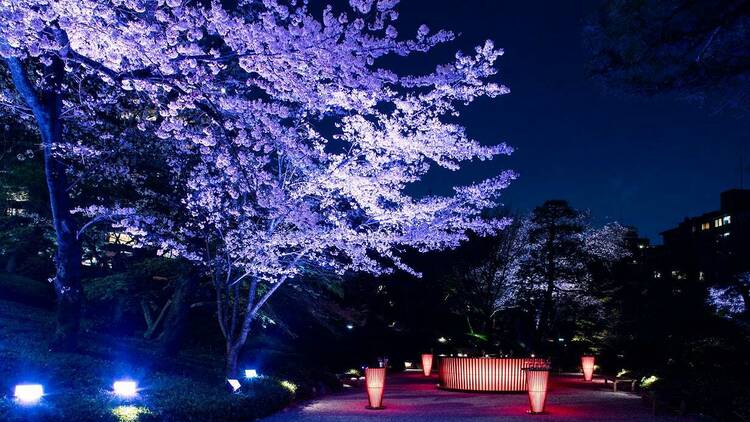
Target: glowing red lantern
[(426, 364), (375, 381), (587, 364), (536, 383)]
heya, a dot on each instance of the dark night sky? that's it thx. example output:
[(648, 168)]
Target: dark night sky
[(643, 162)]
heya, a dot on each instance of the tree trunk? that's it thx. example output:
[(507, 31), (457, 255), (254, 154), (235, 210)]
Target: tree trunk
[(68, 277), (154, 324), (175, 321), (68, 258), (233, 356), (46, 107), (10, 265), (546, 317)]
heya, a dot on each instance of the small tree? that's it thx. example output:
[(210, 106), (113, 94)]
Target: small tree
[(488, 284), (732, 298), (562, 251), (535, 273)]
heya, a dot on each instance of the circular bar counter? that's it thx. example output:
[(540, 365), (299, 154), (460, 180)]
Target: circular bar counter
[(485, 374)]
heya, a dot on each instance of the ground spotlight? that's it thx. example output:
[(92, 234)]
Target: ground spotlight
[(251, 373), (125, 388), (233, 385), (28, 393)]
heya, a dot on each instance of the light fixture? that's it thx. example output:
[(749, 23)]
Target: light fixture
[(125, 388), (587, 364), (349, 326), (407, 364), (233, 385), (536, 382), (375, 381), (251, 373), (28, 393), (426, 364), (289, 386), (647, 382)]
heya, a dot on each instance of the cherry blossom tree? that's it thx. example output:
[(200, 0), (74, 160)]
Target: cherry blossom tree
[(545, 261), (731, 299), (563, 249), (291, 144)]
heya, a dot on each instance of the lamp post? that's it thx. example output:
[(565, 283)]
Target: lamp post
[(536, 382), (375, 381), (587, 364), (426, 364)]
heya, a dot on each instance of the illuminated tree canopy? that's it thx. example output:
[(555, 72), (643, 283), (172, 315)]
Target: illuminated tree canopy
[(292, 146)]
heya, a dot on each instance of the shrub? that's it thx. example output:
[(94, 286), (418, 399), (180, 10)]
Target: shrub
[(77, 384), (26, 290)]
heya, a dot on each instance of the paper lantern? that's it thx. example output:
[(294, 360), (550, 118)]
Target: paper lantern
[(375, 382), (536, 382), (587, 364), (426, 364)]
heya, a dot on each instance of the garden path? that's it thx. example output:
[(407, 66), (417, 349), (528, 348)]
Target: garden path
[(410, 397)]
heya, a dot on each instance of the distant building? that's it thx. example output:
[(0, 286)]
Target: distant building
[(639, 247), (714, 245)]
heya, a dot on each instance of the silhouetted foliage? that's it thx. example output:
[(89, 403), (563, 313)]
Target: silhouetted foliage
[(698, 50)]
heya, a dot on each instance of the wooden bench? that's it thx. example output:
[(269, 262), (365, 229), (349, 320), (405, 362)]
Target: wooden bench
[(615, 381)]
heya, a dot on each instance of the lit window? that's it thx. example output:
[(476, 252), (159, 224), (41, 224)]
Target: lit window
[(705, 226), (679, 275), (727, 219), (718, 222), (119, 238)]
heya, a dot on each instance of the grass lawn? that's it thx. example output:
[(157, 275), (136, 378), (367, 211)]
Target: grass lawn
[(78, 385)]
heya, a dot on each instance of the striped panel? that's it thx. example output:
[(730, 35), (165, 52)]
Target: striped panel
[(485, 374)]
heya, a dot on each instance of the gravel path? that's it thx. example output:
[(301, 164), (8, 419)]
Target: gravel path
[(410, 397)]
